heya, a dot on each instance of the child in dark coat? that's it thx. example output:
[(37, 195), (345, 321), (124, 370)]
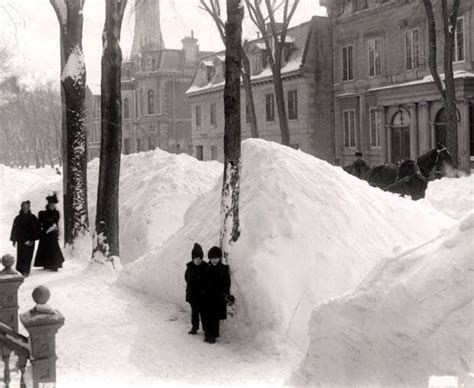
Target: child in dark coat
[(196, 277), (218, 291)]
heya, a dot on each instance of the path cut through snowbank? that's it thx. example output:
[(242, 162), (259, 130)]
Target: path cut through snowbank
[(411, 318), (310, 232)]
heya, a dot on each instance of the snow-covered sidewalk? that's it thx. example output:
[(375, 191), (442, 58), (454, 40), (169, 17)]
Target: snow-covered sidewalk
[(115, 337)]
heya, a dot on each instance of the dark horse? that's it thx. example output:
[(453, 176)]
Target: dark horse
[(411, 177)]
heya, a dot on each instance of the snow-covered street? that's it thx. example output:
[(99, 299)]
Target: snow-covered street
[(130, 327)]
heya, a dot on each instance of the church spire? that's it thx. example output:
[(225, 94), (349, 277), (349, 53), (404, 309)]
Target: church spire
[(147, 34)]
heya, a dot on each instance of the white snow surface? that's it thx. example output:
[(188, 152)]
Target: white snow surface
[(309, 232), (410, 319), (75, 65)]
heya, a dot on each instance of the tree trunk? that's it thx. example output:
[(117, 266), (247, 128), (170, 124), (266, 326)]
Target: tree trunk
[(249, 101), (280, 103), (74, 84), (107, 219), (232, 129)]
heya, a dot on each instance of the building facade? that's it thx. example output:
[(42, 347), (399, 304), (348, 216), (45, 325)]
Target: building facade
[(385, 102), (155, 111), (307, 80)]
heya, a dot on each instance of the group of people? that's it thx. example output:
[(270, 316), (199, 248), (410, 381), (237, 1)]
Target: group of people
[(207, 291), (27, 228)]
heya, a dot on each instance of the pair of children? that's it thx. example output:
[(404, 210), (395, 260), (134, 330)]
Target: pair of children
[(207, 290)]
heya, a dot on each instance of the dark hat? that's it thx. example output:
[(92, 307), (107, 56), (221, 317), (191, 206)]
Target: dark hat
[(358, 153), (26, 203), (197, 251), (52, 198), (215, 253)]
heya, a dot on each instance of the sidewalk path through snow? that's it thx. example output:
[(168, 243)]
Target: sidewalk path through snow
[(115, 337)]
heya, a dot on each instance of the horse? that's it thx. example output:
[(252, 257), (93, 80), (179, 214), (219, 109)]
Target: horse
[(411, 177)]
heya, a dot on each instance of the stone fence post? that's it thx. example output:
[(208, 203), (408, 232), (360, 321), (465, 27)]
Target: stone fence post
[(10, 281), (42, 323)]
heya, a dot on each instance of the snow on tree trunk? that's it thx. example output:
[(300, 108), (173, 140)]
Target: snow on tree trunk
[(73, 86), (107, 244), (232, 149)]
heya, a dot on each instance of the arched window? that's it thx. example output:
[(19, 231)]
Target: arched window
[(151, 102), (126, 108)]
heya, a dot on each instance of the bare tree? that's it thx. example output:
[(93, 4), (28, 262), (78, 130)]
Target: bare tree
[(263, 15), (73, 81), (107, 219), (447, 90), (213, 8), (232, 129)]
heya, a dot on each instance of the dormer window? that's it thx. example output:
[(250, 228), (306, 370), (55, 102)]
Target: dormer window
[(256, 63)]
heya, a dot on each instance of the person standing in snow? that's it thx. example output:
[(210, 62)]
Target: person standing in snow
[(218, 293), (49, 255), (196, 276), (358, 167), (24, 232)]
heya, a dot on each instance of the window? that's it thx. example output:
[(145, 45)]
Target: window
[(126, 108), (347, 65), (375, 57), (213, 114), (197, 111), (412, 49), (138, 145), (96, 108), (247, 113), (142, 103), (199, 152), (126, 146), (374, 123), (270, 107), (349, 128), (214, 152), (256, 63), (177, 148), (293, 104), (459, 41), (151, 143), (151, 102)]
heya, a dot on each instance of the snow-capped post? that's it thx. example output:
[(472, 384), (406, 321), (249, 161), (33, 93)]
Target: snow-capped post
[(42, 323), (446, 87), (274, 37), (73, 80), (232, 138), (107, 220)]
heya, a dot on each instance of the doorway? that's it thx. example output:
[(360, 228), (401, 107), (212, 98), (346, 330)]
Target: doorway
[(400, 138)]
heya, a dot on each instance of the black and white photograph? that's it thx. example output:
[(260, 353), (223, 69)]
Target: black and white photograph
[(237, 193)]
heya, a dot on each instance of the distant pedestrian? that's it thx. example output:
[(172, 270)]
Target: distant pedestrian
[(196, 276), (24, 232), (218, 293), (358, 167), (49, 255)]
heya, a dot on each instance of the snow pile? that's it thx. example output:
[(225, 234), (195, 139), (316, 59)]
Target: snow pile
[(309, 232), (452, 196), (156, 188), (410, 319)]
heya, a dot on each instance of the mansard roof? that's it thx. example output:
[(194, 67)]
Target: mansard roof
[(298, 40)]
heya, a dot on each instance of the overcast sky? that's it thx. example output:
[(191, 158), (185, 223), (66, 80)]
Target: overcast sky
[(30, 29)]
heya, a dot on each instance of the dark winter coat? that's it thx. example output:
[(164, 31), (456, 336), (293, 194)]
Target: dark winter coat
[(219, 289), (196, 277), (49, 253), (25, 228)]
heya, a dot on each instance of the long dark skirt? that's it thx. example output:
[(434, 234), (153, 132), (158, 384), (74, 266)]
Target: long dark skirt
[(24, 256), (49, 255)]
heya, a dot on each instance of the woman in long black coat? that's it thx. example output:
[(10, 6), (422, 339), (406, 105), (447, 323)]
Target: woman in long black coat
[(24, 232), (218, 291), (49, 255)]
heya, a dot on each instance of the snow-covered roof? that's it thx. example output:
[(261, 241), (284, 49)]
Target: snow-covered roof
[(427, 79), (297, 35), (94, 88)]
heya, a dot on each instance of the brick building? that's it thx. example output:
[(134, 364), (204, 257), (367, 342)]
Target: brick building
[(155, 111), (385, 102), (307, 80)]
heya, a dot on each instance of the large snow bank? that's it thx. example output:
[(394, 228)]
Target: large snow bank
[(309, 232), (156, 188), (411, 318), (452, 196)]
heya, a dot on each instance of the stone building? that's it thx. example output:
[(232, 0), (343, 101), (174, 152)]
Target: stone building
[(93, 120), (155, 111), (307, 80), (385, 102)]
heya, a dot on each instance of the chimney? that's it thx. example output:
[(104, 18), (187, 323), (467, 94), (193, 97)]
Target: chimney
[(190, 48)]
